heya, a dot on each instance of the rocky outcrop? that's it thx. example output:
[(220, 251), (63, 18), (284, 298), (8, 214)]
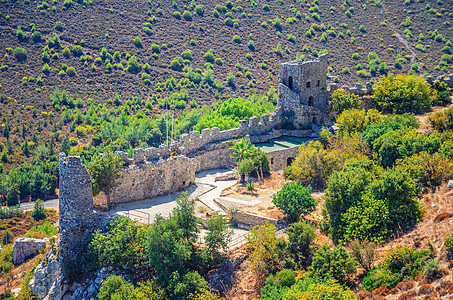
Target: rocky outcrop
[(45, 276), (24, 248)]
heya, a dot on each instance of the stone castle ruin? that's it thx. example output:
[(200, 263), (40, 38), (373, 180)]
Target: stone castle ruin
[(302, 107), (303, 93)]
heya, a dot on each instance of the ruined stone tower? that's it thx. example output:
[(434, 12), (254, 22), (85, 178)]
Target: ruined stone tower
[(303, 96), (77, 219)]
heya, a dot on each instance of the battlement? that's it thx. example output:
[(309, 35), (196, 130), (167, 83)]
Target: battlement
[(189, 143)]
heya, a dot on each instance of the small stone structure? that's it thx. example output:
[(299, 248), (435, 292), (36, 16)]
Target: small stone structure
[(24, 248)]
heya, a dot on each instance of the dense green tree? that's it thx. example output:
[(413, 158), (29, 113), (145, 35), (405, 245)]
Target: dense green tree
[(353, 121), (38, 213), (402, 94), (386, 148), (301, 238), (294, 200), (65, 145), (122, 244), (343, 100), (218, 236), (345, 190), (314, 164), (104, 171)]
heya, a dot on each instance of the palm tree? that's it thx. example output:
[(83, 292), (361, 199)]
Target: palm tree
[(241, 150)]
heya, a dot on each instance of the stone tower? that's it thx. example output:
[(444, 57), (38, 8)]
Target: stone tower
[(303, 96), (77, 219)]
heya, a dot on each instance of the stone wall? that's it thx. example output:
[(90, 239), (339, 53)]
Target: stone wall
[(146, 180), (278, 160), (77, 220)]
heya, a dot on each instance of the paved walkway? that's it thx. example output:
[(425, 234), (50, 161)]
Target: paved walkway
[(208, 177), (206, 189)]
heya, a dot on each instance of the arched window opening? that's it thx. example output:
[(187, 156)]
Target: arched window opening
[(310, 101), (290, 82), (308, 84), (315, 121), (289, 161)]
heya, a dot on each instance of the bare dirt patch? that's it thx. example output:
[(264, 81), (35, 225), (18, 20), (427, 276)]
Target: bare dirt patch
[(424, 118)]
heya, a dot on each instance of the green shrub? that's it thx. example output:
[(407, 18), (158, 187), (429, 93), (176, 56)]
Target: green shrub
[(177, 15), (314, 164), (294, 200), (70, 71), (278, 284), (427, 169), (7, 212), (364, 253), (187, 15), (335, 263), (229, 22), (36, 36), (431, 267), (39, 212), (176, 64), (47, 229), (20, 53), (199, 9), (378, 277), (6, 259), (59, 26), (187, 54), (138, 42), (237, 39), (449, 246), (404, 260), (132, 65), (122, 244), (77, 50), (209, 56), (262, 249), (308, 289), (115, 287), (7, 237), (155, 48)]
